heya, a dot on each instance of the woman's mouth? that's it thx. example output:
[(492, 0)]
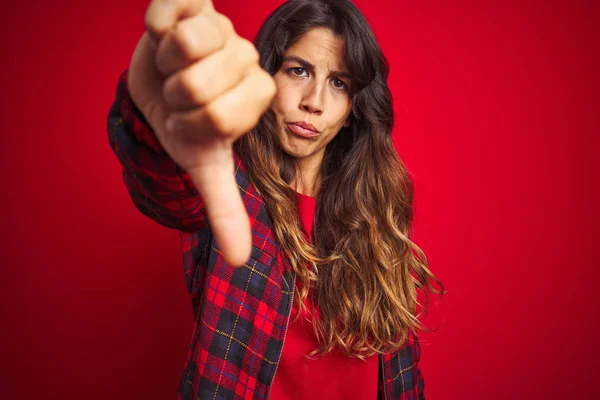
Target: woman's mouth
[(300, 131)]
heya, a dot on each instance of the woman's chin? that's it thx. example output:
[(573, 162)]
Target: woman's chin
[(295, 149), (294, 153)]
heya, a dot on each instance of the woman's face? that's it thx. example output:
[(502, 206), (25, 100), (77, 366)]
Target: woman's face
[(313, 88)]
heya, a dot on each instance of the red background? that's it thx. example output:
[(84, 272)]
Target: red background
[(498, 121)]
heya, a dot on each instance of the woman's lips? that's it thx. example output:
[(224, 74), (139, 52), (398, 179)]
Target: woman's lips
[(298, 130)]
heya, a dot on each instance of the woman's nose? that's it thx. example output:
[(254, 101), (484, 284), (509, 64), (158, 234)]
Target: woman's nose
[(312, 100)]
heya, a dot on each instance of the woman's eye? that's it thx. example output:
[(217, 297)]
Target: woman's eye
[(339, 84), (298, 71)]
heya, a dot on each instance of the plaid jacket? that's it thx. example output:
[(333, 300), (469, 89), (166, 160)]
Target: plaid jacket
[(241, 314)]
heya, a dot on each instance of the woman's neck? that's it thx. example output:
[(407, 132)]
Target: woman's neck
[(307, 180)]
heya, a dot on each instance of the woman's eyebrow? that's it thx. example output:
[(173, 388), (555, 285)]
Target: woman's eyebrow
[(311, 67)]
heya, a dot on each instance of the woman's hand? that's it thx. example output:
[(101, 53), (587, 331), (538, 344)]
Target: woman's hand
[(200, 87)]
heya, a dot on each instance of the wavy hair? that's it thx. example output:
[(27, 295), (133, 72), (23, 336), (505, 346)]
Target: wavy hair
[(364, 269)]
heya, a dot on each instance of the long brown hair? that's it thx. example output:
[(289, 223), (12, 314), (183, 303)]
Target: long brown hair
[(364, 269)]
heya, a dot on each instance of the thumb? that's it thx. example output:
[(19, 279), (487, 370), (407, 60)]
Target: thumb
[(225, 209), (162, 15), (208, 6)]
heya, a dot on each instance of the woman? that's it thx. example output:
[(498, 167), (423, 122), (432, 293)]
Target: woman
[(331, 272)]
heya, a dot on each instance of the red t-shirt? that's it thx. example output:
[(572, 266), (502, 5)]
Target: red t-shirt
[(334, 376)]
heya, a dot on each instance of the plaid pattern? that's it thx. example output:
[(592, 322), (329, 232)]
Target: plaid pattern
[(241, 315)]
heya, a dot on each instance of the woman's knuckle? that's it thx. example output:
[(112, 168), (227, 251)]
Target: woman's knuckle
[(267, 91), (249, 51), (180, 4), (183, 37), (150, 23), (193, 85), (220, 121), (225, 22), (270, 86), (264, 80)]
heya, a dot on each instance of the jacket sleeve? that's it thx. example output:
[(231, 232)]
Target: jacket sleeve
[(401, 379), (418, 375), (158, 187), (413, 383)]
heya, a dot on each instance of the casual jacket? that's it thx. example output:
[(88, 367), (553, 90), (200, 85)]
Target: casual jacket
[(241, 314)]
